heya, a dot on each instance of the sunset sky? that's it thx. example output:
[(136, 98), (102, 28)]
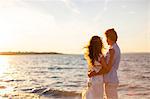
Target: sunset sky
[(67, 25)]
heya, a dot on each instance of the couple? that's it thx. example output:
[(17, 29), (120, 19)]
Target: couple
[(102, 70)]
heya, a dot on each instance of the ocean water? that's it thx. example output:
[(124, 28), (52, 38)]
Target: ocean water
[(65, 76)]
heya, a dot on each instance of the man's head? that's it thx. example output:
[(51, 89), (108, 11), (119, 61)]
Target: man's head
[(111, 36)]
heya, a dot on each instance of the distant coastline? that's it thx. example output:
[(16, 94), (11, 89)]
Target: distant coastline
[(27, 53)]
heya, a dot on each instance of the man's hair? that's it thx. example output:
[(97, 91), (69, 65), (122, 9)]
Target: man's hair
[(111, 34)]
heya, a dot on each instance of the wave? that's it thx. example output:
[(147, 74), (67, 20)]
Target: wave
[(13, 80), (123, 85), (55, 93), (142, 77), (59, 68)]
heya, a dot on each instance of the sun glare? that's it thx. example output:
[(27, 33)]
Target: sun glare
[(3, 64)]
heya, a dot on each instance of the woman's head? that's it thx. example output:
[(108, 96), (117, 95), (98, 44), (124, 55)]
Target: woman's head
[(111, 36), (94, 48)]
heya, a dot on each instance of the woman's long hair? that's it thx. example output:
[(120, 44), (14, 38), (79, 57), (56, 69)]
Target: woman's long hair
[(94, 49)]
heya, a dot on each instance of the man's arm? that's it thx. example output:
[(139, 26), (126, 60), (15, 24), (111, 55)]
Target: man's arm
[(93, 73), (106, 67), (110, 63)]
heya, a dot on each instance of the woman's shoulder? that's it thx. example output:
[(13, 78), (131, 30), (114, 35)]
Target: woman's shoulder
[(99, 59), (96, 62), (100, 56)]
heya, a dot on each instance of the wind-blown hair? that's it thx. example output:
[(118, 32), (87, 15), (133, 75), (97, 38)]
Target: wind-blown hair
[(94, 49)]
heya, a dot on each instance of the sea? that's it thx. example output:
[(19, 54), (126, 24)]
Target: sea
[(64, 76)]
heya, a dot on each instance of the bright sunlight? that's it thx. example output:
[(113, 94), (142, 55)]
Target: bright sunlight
[(3, 64)]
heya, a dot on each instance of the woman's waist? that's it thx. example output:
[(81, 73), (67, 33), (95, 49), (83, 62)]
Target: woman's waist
[(99, 77), (96, 68)]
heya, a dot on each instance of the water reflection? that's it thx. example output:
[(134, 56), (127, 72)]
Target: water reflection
[(3, 64)]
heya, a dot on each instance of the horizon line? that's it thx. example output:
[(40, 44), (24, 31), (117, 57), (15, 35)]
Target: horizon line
[(46, 52)]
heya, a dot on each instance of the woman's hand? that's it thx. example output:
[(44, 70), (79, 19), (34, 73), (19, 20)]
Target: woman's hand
[(91, 73)]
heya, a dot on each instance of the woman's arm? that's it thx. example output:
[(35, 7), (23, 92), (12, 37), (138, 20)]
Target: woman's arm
[(101, 72), (104, 69), (104, 64)]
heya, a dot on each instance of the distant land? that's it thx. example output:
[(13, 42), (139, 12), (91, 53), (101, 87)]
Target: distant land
[(27, 53)]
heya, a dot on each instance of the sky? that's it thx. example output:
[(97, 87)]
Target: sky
[(66, 26)]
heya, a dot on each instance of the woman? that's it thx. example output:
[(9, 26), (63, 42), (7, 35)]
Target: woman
[(96, 62)]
